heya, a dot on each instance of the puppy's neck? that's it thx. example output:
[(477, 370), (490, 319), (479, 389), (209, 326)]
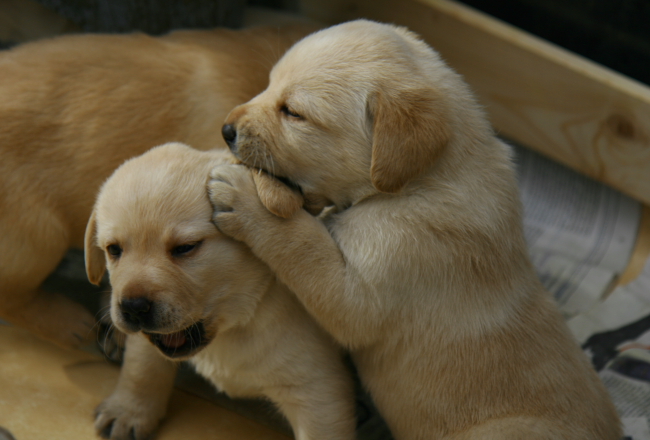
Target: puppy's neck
[(345, 200)]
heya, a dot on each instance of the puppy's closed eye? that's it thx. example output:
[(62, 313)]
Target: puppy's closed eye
[(185, 249), (288, 111)]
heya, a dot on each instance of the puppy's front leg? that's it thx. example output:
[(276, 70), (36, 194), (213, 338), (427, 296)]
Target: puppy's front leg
[(321, 410), (318, 400), (134, 410), (303, 254)]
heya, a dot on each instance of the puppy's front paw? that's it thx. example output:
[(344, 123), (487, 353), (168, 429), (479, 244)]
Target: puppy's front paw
[(235, 201), (124, 417), (277, 197)]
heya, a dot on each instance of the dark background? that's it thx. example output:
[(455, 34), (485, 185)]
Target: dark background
[(615, 33)]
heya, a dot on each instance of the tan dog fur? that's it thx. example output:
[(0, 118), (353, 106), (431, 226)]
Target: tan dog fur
[(420, 267), (262, 341), (73, 109)]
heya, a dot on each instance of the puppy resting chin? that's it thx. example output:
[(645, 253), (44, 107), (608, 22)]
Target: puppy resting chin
[(423, 273)]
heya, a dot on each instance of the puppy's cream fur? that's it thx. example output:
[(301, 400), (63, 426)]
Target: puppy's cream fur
[(74, 108), (420, 267), (261, 340)]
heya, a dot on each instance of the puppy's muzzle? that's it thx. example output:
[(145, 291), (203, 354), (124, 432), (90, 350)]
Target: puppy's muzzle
[(229, 133), (137, 312)]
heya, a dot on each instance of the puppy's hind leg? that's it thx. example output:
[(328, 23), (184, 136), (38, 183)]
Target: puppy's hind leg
[(139, 402), (29, 252)]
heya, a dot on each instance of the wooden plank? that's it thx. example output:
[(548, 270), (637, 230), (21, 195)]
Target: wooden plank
[(577, 112)]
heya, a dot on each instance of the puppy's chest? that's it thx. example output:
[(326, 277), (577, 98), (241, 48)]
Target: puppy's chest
[(344, 229), (371, 240), (229, 370)]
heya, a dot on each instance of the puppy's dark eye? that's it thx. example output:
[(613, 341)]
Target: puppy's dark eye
[(184, 249), (114, 250), (287, 111)]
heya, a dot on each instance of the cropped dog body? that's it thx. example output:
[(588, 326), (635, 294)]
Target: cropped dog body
[(420, 267), (73, 109), (198, 295)]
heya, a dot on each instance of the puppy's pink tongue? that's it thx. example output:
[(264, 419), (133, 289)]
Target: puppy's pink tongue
[(174, 340)]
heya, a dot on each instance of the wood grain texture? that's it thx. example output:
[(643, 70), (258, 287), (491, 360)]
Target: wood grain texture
[(575, 111)]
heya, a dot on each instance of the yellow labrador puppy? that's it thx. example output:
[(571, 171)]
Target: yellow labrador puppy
[(420, 267), (183, 290), (74, 108)]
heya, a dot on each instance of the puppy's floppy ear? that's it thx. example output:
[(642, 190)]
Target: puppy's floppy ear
[(410, 129), (277, 197), (94, 256)]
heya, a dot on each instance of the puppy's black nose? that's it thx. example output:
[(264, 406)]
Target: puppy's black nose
[(136, 311), (229, 135)]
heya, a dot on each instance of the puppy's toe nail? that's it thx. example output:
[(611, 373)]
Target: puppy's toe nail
[(213, 188), (219, 180), (217, 189), (106, 432), (222, 199)]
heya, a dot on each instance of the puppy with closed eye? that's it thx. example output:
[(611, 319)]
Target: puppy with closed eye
[(420, 267), (182, 290)]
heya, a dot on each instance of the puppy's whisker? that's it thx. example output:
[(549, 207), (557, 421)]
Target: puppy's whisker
[(258, 160), (103, 310), (271, 163), (271, 56), (266, 59), (258, 163), (107, 337), (193, 344), (100, 318)]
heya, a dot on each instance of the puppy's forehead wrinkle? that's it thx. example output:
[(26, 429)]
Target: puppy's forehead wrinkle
[(155, 200), (194, 230), (145, 217), (167, 188)]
